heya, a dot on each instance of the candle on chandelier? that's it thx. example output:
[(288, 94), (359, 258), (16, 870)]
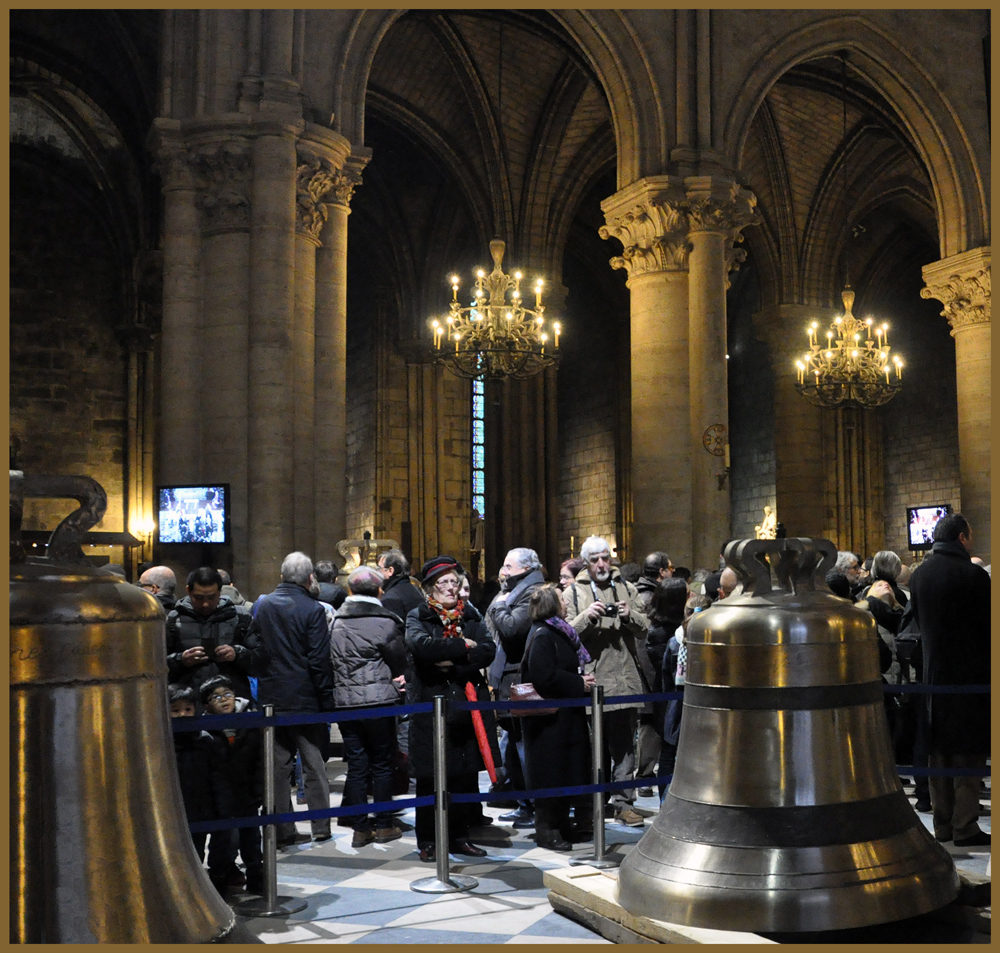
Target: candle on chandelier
[(885, 334), (802, 371), (557, 329), (538, 293)]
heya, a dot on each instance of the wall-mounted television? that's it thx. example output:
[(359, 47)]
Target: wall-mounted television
[(920, 523), (193, 513)]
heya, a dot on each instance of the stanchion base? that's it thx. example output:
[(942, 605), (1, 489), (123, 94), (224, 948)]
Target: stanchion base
[(259, 908), (601, 864), (453, 884)]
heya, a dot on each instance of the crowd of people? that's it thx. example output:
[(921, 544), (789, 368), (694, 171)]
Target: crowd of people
[(311, 646)]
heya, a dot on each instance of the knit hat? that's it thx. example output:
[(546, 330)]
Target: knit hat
[(438, 566)]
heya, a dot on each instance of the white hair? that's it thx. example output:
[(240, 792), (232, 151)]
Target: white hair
[(593, 545), (845, 560), (526, 558), (886, 565), (296, 567)]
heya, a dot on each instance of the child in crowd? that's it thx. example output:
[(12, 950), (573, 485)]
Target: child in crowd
[(205, 785), (245, 765)]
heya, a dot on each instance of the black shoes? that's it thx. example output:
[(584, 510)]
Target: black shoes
[(923, 806), (466, 849), (427, 854), (293, 840), (553, 842), (979, 839), (319, 838), (519, 819), (577, 835)]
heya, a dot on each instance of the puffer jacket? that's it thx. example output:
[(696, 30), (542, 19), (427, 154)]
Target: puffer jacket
[(367, 652), (202, 768), (617, 647), (228, 625)]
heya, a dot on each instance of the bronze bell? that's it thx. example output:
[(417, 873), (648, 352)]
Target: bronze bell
[(785, 812), (100, 849)]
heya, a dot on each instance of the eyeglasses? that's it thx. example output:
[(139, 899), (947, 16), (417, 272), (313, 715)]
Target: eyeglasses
[(220, 696), (447, 585)]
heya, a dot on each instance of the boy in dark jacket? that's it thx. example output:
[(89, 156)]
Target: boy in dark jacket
[(205, 785), (245, 767)]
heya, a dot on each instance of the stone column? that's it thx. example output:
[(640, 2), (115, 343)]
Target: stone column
[(330, 428), (180, 368), (224, 198), (800, 473), (271, 310), (717, 210), (646, 218), (962, 283)]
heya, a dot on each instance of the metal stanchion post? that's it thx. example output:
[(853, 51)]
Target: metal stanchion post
[(443, 882), (597, 712), (270, 905)]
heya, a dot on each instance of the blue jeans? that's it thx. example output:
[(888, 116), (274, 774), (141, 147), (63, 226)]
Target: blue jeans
[(369, 745)]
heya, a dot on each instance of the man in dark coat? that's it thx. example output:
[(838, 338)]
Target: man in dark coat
[(298, 679), (208, 635), (509, 623), (399, 595), (951, 606), (329, 592), (161, 583)]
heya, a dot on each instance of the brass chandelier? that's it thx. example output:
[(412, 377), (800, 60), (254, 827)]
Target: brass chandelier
[(851, 367), (496, 336), (848, 368)]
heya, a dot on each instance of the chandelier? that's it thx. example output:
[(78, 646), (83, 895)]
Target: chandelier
[(848, 368), (851, 367), (494, 337)]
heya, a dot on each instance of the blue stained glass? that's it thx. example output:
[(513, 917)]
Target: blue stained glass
[(478, 445), (478, 458), (478, 431)]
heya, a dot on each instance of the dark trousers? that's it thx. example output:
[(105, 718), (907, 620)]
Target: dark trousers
[(668, 758), (249, 839), (221, 851), (369, 746), (311, 742), (460, 816)]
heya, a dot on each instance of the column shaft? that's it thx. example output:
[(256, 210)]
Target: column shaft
[(709, 411), (270, 431), (330, 428), (973, 367), (303, 375), (661, 463)]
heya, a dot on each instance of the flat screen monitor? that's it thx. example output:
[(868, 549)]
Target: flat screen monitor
[(193, 513), (920, 523)]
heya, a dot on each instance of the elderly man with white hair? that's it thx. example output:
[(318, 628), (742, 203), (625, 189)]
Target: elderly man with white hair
[(604, 610), (298, 679)]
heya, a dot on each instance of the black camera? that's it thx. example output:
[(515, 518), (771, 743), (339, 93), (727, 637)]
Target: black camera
[(210, 643), (611, 609)]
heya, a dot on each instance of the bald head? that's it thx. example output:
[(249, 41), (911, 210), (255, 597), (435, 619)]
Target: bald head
[(158, 579), (727, 583)]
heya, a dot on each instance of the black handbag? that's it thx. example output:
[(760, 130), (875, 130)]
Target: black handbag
[(525, 692)]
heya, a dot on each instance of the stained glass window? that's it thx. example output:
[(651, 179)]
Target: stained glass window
[(479, 446)]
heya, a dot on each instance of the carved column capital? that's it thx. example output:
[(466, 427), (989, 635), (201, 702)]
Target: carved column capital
[(647, 218), (171, 159), (313, 179), (223, 173), (962, 284), (721, 205)]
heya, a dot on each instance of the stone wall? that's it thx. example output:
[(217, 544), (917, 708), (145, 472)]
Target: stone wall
[(68, 370)]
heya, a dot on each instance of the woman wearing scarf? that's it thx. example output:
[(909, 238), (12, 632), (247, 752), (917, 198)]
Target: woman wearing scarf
[(449, 644), (557, 747)]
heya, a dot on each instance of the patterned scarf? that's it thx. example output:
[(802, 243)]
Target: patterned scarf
[(450, 618), (563, 627)]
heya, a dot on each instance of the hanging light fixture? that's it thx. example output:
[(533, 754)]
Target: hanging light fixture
[(852, 367), (496, 336)]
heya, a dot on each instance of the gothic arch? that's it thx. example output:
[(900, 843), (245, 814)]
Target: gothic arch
[(607, 41), (931, 123)]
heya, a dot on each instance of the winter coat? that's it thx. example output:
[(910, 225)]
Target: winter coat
[(293, 629), (510, 620), (668, 683), (950, 596), (645, 589), (202, 768), (617, 648), (556, 747), (425, 680), (367, 651), (229, 624), (400, 595), (332, 594), (244, 763), (660, 633)]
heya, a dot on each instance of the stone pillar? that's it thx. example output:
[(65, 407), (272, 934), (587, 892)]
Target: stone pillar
[(962, 283), (271, 309), (646, 219), (799, 469), (180, 367), (717, 209), (330, 429), (224, 198)]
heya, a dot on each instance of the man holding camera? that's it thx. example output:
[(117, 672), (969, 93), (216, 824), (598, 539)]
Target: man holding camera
[(208, 634), (604, 610)]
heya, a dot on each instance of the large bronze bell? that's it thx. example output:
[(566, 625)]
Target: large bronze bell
[(785, 812), (99, 846)]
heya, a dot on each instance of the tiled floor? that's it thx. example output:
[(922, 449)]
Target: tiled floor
[(364, 896)]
